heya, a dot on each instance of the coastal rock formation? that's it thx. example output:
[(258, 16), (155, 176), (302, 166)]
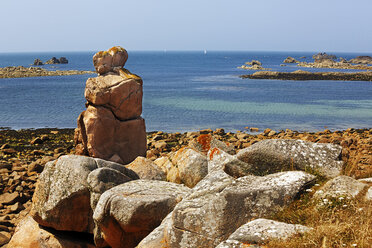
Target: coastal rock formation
[(321, 56), (63, 60), (253, 62), (361, 60), (112, 128), (225, 172), (254, 65), (110, 60), (290, 60), (53, 60), (21, 71), (305, 75), (38, 62)]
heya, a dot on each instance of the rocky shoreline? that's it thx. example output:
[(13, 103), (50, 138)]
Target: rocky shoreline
[(305, 75), (21, 71), (24, 153)]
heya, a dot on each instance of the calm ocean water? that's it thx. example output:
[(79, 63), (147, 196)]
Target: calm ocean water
[(185, 91)]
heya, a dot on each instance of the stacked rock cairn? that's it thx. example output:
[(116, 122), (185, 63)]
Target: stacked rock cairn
[(111, 127)]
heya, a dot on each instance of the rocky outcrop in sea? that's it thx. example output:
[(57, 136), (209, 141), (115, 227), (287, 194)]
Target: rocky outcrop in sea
[(21, 71), (305, 75), (111, 127)]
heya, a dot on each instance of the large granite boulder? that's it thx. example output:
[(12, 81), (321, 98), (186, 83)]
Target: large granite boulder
[(274, 155), (190, 166), (29, 234), (112, 128), (219, 204), (127, 213), (100, 134), (147, 169), (106, 61), (62, 195), (339, 189), (260, 231)]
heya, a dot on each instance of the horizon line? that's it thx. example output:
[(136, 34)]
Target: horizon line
[(187, 50)]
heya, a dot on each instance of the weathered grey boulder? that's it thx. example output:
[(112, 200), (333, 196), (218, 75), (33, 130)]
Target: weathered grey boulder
[(270, 156), (219, 204), (220, 160), (127, 213), (341, 186), (29, 234), (147, 169), (62, 195), (103, 179), (260, 231)]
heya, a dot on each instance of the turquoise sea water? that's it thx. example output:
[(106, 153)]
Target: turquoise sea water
[(185, 91)]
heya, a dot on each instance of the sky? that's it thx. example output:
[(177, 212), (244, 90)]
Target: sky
[(243, 25)]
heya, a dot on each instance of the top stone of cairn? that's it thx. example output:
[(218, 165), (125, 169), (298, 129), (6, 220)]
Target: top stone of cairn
[(111, 60)]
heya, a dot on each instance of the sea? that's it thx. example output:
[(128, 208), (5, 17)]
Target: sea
[(192, 90)]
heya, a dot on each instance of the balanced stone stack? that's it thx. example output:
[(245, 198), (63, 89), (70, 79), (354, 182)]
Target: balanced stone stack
[(111, 127)]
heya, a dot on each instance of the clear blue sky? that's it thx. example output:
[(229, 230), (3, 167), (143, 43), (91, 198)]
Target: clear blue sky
[(259, 25)]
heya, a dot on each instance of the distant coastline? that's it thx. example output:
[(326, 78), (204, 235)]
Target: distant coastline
[(21, 71), (305, 75)]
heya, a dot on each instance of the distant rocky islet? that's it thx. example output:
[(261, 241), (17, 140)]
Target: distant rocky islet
[(321, 60), (37, 71)]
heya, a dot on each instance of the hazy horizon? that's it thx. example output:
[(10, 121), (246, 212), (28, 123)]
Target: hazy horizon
[(145, 25)]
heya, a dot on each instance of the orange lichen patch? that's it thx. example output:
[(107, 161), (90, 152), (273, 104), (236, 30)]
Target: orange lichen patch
[(213, 152), (115, 49), (127, 74), (101, 53), (205, 141)]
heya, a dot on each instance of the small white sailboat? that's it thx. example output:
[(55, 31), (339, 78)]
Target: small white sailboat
[(205, 51)]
